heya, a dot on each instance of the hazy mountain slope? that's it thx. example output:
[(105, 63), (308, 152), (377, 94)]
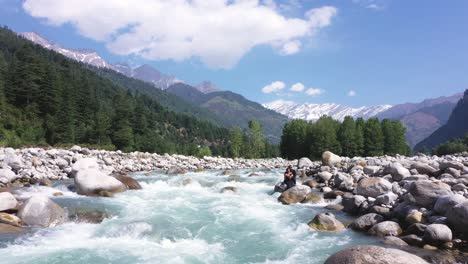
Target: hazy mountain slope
[(456, 126)]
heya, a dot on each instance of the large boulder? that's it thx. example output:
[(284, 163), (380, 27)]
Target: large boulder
[(295, 194), (343, 181), (386, 199), (457, 217), (93, 182), (451, 164), (176, 170), (10, 219), (7, 175), (84, 164), (425, 193), (371, 170), (397, 171), (445, 202), (365, 222), (129, 182), (12, 160), (352, 203), (325, 176), (330, 159), (373, 187), (373, 255), (423, 168), (437, 234), (326, 222), (7, 201), (386, 228), (304, 163), (41, 211)]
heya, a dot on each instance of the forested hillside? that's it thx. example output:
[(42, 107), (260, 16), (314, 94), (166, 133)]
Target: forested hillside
[(46, 98), (350, 138)]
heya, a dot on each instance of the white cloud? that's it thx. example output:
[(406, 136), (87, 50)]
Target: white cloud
[(372, 4), (273, 87), (351, 93), (314, 91), (218, 32), (297, 87)]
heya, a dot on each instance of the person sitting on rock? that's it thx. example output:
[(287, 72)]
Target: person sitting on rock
[(289, 177)]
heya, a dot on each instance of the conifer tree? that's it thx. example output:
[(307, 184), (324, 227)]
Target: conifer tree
[(373, 138), (347, 137)]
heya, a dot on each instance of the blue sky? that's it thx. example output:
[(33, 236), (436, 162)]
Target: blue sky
[(385, 51)]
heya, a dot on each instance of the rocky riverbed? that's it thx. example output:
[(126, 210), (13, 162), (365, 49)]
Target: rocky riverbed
[(416, 205)]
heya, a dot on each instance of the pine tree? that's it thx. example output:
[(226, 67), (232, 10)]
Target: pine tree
[(347, 137), (322, 137), (294, 139), (359, 136), (256, 140), (390, 144), (373, 138), (236, 139)]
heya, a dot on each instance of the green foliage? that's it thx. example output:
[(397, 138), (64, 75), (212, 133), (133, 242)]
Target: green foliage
[(203, 151), (349, 138), (236, 138), (453, 146)]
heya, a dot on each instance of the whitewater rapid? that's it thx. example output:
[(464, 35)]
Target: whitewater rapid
[(175, 220)]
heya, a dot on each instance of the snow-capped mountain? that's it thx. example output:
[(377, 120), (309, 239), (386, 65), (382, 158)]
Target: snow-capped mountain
[(312, 112), (86, 56), (207, 87)]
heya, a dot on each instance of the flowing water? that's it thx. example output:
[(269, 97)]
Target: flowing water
[(176, 221)]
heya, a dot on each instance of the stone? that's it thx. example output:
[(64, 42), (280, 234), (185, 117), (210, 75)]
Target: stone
[(372, 255), (423, 168), (371, 170), (129, 182), (334, 207), (343, 182), (175, 170), (311, 183), (326, 222), (416, 229), (425, 193), (326, 189), (414, 217), (386, 228), (451, 164), (84, 215), (384, 211), (187, 181), (455, 173), (352, 203), (365, 222), (413, 240), (13, 160), (6, 228), (459, 187), (394, 241), (324, 176), (7, 201), (45, 182), (397, 171), (386, 199), (234, 178), (295, 194), (7, 175), (229, 189), (373, 187), (437, 234), (304, 163), (10, 219), (226, 172), (457, 217), (39, 210), (93, 182), (56, 194), (332, 195), (445, 202), (330, 159), (312, 198)]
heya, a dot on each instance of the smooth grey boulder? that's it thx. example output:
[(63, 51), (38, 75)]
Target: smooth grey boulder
[(352, 203), (295, 194), (39, 210), (7, 175), (325, 176), (330, 159), (365, 222), (84, 164), (304, 163), (373, 187), (451, 164), (12, 160), (457, 217), (176, 170), (386, 199), (93, 182), (423, 168), (7, 201), (445, 202), (386, 228), (343, 181), (426, 193), (373, 255), (436, 234), (326, 222), (394, 241), (397, 171), (454, 172), (371, 170)]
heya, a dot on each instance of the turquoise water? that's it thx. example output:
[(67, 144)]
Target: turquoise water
[(169, 222)]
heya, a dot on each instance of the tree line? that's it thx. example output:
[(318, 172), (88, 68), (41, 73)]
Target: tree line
[(48, 99), (251, 143), (456, 145), (348, 138)]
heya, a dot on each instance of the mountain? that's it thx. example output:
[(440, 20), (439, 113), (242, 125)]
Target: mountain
[(312, 112), (456, 126), (233, 109), (149, 74), (207, 87), (423, 118), (81, 55)]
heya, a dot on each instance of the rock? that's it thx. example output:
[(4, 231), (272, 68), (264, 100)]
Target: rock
[(352, 203), (429, 247), (397, 171), (311, 183), (394, 241), (175, 170), (451, 164), (324, 176), (312, 198), (5, 228), (386, 199), (330, 159), (295, 194), (332, 194), (386, 228), (414, 217), (36, 162), (226, 172), (84, 164), (365, 222), (373, 187), (41, 211), (384, 211), (304, 163), (229, 189), (57, 194), (334, 207), (10, 219), (413, 240), (460, 187), (234, 177), (457, 217), (343, 182), (437, 234), (93, 182), (326, 222), (92, 216), (371, 170), (425, 193), (326, 189), (12, 160), (7, 201), (129, 182), (445, 202), (373, 255), (423, 168), (45, 182), (187, 181), (455, 173), (7, 175)]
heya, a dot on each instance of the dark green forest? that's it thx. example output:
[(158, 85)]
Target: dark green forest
[(456, 145), (348, 138), (48, 99)]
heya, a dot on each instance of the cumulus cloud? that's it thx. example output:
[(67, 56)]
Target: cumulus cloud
[(351, 93), (218, 32), (273, 87), (314, 91), (297, 87)]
